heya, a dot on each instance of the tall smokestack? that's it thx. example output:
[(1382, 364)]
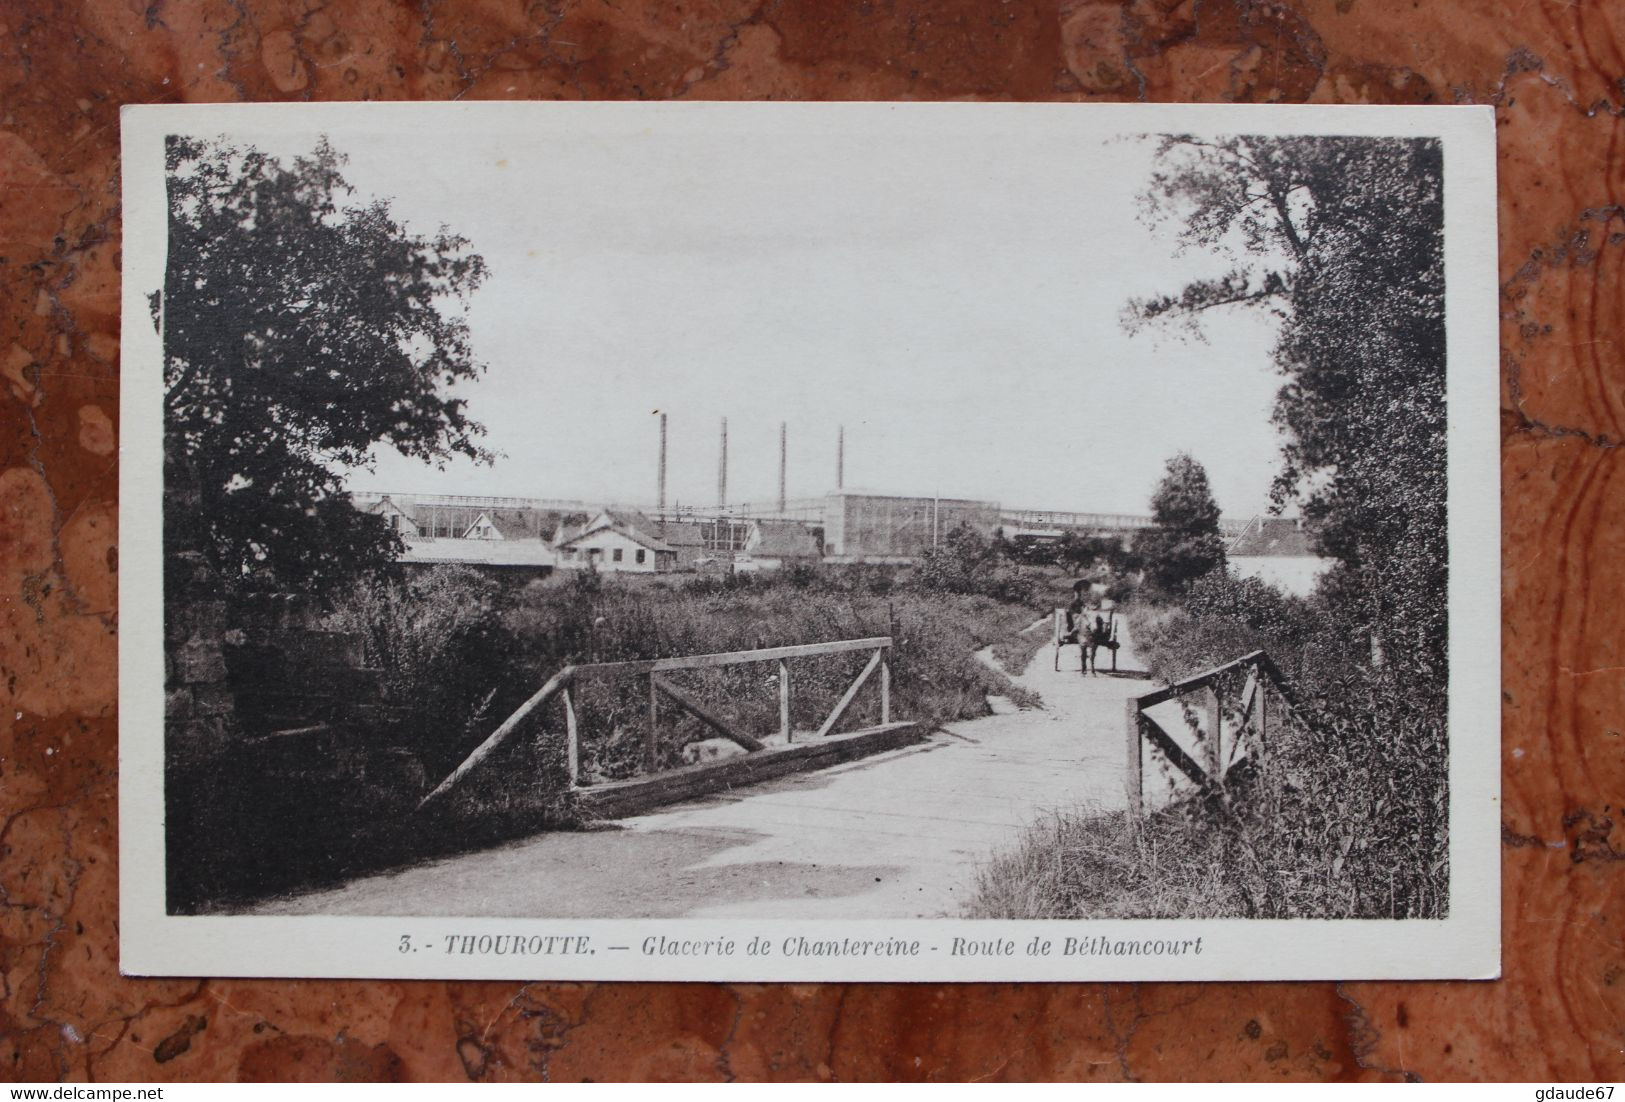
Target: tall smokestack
[(722, 469), (840, 457), (661, 508), (782, 432)]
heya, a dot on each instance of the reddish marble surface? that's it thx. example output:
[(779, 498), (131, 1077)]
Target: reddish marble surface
[(1553, 70)]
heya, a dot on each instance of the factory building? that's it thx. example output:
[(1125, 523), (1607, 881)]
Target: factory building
[(865, 527)]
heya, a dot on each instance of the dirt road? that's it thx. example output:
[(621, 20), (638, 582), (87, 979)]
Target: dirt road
[(898, 835)]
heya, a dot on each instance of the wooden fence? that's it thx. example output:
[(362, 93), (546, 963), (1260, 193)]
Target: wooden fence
[(1247, 726), (560, 684)]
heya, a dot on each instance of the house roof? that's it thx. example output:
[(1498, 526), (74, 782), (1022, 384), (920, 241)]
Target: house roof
[(634, 526), (683, 533), (1272, 537), (784, 539), (516, 524), (386, 505), (509, 524)]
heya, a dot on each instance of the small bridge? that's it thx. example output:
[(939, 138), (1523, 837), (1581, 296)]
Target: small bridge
[(892, 833), (761, 759)]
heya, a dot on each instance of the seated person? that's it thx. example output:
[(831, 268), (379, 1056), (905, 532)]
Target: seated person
[(1074, 612)]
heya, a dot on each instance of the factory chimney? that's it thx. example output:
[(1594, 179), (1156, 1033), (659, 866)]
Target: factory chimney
[(722, 469), (840, 457), (782, 432), (661, 507)]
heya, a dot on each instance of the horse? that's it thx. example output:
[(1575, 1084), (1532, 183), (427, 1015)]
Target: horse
[(1102, 633)]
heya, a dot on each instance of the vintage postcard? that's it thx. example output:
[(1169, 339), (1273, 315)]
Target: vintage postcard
[(809, 542)]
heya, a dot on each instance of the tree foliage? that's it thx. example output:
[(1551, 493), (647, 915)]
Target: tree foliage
[(961, 563), (1185, 544), (1079, 554), (970, 563), (300, 331), (1343, 239)]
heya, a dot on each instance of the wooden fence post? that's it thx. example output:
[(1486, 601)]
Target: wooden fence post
[(784, 701), (885, 687), (1263, 714), (651, 746), (500, 735), (1136, 797), (1215, 719), (572, 745)]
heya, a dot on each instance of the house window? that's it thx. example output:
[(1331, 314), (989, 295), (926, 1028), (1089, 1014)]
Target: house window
[(640, 554), (617, 555)]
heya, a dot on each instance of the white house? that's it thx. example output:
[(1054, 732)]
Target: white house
[(1276, 550), (613, 541)]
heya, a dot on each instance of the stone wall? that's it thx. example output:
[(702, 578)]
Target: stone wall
[(199, 709)]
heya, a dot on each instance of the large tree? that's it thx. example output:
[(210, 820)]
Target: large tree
[(301, 330), (1342, 238), (1185, 544)]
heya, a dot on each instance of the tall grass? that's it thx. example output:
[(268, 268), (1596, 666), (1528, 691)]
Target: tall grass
[(1095, 863)]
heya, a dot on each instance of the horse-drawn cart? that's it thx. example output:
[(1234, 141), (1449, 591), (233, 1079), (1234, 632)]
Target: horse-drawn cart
[(1089, 630)]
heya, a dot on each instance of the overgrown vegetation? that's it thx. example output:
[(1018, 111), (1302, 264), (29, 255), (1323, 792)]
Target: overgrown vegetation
[(1342, 240)]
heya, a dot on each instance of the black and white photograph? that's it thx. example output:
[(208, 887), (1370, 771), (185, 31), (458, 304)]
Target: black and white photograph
[(846, 541)]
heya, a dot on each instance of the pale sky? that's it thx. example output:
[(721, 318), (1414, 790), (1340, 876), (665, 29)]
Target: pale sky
[(947, 285)]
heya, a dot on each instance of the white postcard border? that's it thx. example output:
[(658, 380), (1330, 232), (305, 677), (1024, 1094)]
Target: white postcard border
[(1464, 945)]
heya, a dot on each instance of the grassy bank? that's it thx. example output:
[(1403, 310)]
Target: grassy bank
[(1093, 863)]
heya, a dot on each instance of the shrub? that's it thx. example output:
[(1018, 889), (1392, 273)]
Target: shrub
[(967, 562), (1185, 544), (438, 639), (961, 563), (1224, 616), (1346, 817)]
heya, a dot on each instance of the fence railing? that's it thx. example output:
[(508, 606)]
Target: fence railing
[(561, 683), (1247, 725)]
